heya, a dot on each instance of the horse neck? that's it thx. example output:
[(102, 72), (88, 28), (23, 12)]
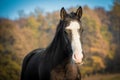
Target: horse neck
[(57, 49)]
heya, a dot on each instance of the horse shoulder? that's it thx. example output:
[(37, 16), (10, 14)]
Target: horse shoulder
[(27, 59)]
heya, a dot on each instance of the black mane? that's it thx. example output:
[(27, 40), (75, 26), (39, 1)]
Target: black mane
[(60, 47)]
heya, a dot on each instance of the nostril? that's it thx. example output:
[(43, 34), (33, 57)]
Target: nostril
[(75, 57)]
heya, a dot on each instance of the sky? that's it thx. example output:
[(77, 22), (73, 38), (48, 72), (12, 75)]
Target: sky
[(9, 8)]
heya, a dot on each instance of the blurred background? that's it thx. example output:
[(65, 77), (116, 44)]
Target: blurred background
[(29, 24)]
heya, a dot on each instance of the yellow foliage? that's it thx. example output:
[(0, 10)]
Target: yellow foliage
[(32, 23), (98, 62)]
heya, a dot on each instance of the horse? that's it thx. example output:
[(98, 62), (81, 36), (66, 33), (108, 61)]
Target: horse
[(60, 60)]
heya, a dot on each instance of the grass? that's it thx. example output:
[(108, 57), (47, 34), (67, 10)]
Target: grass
[(103, 77)]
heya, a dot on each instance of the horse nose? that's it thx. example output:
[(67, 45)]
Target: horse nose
[(78, 57), (83, 59)]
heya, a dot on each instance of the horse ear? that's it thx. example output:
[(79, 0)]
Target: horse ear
[(63, 13), (79, 12)]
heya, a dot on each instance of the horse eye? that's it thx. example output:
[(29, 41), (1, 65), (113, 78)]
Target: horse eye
[(67, 31)]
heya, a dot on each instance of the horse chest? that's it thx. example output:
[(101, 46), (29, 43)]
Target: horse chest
[(67, 72)]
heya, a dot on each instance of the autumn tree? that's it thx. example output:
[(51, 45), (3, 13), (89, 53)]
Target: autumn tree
[(114, 16)]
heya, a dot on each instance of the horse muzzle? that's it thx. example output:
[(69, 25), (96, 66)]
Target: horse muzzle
[(77, 58)]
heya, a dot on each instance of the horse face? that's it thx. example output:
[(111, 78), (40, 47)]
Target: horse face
[(72, 29)]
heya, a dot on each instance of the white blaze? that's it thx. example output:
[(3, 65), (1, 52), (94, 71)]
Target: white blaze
[(76, 44)]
